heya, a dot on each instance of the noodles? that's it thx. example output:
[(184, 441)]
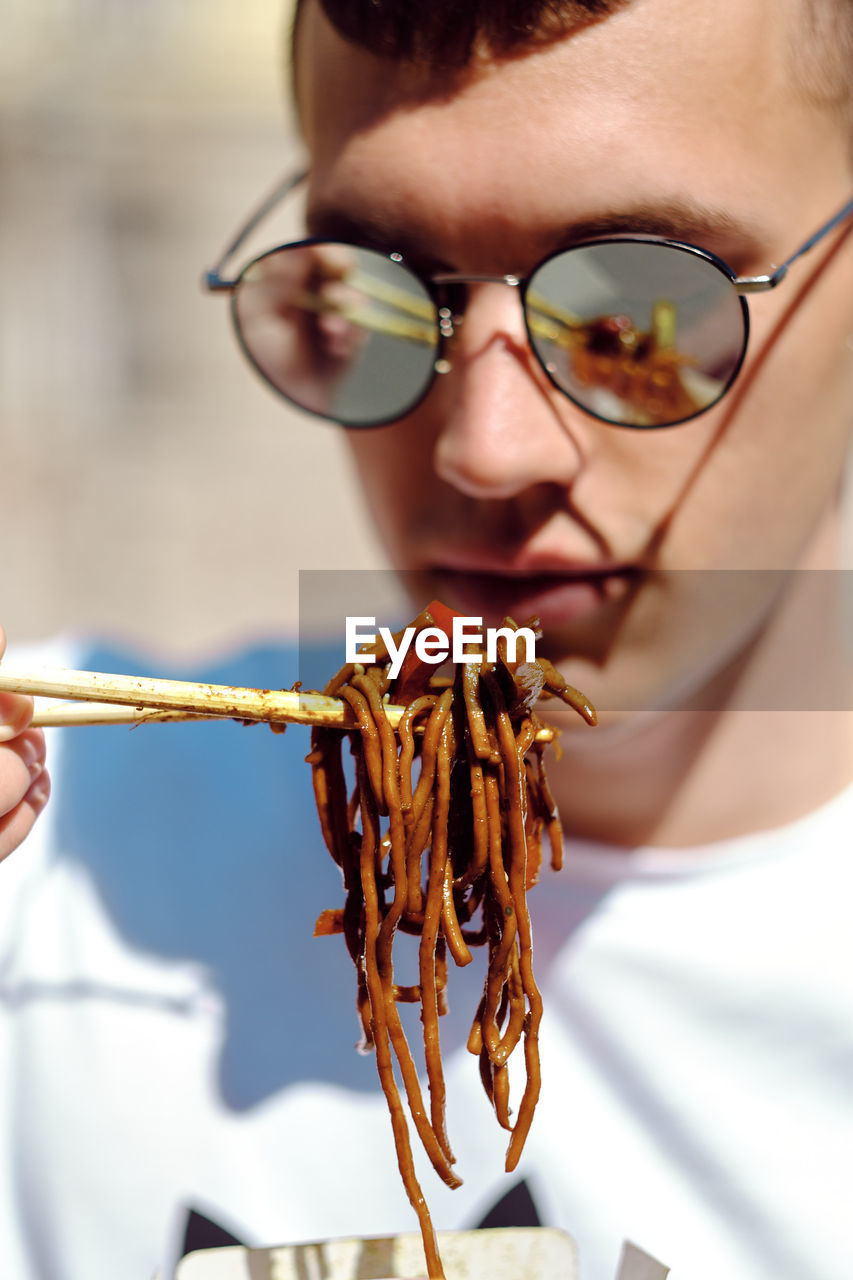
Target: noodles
[(441, 838)]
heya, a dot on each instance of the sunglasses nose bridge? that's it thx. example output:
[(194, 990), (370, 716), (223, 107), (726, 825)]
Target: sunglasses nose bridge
[(453, 304)]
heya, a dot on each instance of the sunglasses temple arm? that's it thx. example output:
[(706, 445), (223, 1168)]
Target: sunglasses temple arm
[(282, 188), (757, 284)]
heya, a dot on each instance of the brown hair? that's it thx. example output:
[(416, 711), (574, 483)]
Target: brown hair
[(449, 33)]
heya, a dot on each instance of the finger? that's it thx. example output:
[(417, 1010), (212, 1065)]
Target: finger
[(16, 825), (21, 762), (16, 712)]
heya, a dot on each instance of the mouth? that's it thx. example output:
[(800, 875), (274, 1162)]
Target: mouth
[(558, 597)]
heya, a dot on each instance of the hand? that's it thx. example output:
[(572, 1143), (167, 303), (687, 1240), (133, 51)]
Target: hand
[(24, 783)]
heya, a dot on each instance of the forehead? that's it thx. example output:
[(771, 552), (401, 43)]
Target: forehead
[(665, 100)]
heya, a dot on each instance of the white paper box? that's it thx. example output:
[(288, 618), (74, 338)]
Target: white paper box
[(506, 1253), (530, 1253)]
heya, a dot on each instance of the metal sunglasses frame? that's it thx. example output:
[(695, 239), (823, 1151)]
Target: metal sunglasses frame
[(215, 282)]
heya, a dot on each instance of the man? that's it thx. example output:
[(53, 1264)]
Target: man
[(695, 954), (681, 571)]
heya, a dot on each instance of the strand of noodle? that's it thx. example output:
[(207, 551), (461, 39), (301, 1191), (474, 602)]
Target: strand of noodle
[(486, 1074), (414, 917), (429, 750), (479, 734), (405, 729), (450, 922), (340, 678), (369, 741), (354, 908), (553, 823), (500, 1095), (500, 1075), (329, 790), (475, 1036), (556, 683), (517, 1012), (532, 1089), (414, 842), (517, 876), (429, 935), (422, 801), (533, 823), (526, 735), (479, 823), (505, 912), (437, 1150), (378, 1006)]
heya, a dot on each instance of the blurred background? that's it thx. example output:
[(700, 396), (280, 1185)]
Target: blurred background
[(152, 491)]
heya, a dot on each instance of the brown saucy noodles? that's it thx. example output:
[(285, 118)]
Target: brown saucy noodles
[(441, 837)]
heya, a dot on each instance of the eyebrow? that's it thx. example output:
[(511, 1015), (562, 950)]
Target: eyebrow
[(674, 220), (683, 220)]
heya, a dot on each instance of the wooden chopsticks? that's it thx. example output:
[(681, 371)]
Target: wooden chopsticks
[(181, 698), (121, 699)]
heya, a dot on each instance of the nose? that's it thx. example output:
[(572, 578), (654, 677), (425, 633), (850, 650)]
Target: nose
[(503, 427)]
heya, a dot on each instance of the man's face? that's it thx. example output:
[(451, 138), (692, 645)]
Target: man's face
[(497, 491)]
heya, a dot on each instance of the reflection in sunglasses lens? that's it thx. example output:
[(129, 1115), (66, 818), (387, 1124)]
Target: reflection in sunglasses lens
[(639, 334), (342, 331)]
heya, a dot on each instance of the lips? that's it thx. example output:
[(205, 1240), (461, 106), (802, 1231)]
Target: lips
[(559, 597)]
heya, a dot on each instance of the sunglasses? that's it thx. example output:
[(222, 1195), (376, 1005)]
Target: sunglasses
[(638, 331)]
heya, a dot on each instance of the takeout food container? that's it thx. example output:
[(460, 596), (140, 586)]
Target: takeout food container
[(506, 1253)]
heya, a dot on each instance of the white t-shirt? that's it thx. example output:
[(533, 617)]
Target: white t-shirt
[(172, 1037)]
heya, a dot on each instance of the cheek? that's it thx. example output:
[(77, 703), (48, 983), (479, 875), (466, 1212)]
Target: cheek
[(803, 358), (774, 469), (390, 474)]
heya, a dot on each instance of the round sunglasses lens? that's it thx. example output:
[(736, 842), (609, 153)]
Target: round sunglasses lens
[(342, 331), (643, 335)]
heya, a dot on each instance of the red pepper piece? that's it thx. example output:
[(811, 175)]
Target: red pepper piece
[(414, 674)]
